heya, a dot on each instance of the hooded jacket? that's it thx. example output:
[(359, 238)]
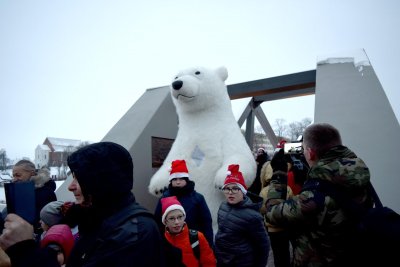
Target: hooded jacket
[(321, 229), (114, 230)]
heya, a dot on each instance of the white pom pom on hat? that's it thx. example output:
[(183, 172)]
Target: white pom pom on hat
[(234, 176)]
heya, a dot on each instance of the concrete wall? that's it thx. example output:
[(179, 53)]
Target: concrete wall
[(352, 99), (153, 115)]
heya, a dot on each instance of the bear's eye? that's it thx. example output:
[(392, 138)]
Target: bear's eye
[(176, 77), (197, 72)]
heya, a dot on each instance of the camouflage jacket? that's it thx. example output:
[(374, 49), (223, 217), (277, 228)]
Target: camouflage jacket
[(321, 230)]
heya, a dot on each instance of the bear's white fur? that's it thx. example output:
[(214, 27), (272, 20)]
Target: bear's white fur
[(209, 138)]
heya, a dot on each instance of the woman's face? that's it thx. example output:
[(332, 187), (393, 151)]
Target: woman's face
[(75, 188), (21, 175)]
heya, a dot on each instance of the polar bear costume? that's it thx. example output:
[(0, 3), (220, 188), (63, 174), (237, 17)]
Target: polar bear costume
[(209, 138)]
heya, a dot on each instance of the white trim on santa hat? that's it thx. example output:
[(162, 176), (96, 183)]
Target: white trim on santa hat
[(171, 208), (178, 175)]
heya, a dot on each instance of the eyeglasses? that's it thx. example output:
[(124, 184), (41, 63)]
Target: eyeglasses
[(234, 190), (173, 219)]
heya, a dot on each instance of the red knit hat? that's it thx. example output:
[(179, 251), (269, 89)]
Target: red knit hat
[(61, 235), (169, 204), (234, 176), (178, 169)]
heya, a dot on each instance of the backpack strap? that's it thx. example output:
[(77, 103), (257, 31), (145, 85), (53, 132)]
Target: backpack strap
[(194, 242), (374, 195)]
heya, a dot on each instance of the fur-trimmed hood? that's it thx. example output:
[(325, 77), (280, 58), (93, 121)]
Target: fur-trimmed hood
[(42, 177)]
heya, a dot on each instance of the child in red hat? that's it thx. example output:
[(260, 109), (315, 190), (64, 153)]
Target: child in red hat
[(241, 239), (198, 215), (59, 237), (177, 234)]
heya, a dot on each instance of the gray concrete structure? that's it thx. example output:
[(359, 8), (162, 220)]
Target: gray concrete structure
[(353, 100), (349, 97), (153, 115)]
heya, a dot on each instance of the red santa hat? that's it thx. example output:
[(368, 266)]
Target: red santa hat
[(169, 204), (234, 176), (281, 144), (178, 169)]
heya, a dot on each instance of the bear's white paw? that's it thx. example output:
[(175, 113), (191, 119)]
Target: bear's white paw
[(220, 178), (157, 186)]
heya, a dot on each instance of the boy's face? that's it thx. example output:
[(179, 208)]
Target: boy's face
[(233, 194), (174, 221), (178, 182)]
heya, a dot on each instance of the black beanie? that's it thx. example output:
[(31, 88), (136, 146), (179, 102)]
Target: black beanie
[(103, 170)]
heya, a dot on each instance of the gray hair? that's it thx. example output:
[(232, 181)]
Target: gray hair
[(26, 165)]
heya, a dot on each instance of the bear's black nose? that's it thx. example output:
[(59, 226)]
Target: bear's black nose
[(177, 85)]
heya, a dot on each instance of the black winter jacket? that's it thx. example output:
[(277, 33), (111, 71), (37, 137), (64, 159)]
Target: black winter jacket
[(241, 239), (129, 237)]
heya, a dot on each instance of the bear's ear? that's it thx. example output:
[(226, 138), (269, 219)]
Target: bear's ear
[(222, 73)]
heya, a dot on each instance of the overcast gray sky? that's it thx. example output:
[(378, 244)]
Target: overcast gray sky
[(72, 69)]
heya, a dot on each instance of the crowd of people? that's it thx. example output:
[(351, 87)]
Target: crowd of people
[(106, 226)]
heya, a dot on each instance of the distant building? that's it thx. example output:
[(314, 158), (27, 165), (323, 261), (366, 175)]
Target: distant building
[(55, 151), (42, 153)]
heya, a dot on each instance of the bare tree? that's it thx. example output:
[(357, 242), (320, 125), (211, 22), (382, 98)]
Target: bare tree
[(259, 137), (3, 159), (297, 128), (280, 127)]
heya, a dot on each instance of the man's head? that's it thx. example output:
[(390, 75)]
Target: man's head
[(23, 170), (318, 138), (103, 170)]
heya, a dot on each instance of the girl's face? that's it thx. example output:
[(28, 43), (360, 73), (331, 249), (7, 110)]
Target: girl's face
[(174, 221)]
